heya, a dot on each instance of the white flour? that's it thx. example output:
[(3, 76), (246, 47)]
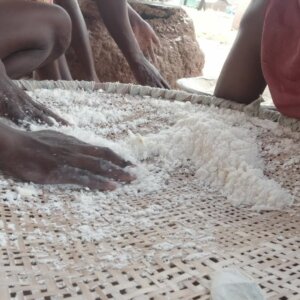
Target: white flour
[(220, 145), (224, 156), (2, 235), (214, 152)]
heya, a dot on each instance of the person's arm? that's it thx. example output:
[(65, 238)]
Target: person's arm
[(116, 19), (50, 157), (144, 33), (80, 37), (241, 78)]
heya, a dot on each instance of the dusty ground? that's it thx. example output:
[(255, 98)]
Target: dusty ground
[(215, 35)]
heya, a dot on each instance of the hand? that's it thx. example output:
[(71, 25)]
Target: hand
[(50, 157), (146, 74), (146, 37), (17, 106)]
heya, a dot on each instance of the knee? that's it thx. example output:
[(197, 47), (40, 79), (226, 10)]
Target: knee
[(55, 32), (62, 31)]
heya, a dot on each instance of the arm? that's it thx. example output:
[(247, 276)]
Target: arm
[(80, 38), (116, 19), (241, 78)]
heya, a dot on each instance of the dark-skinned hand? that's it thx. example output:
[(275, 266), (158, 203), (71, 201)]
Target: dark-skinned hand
[(50, 157), (146, 37), (146, 74), (17, 106)]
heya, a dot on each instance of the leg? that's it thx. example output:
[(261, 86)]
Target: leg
[(242, 79), (48, 72), (202, 5), (31, 35), (80, 38), (64, 68), (56, 70), (34, 35)]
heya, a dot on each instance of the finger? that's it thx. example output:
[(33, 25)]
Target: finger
[(40, 117), (70, 175), (146, 53), (16, 115), (38, 107), (100, 167), (83, 147), (155, 82), (48, 112), (104, 153), (156, 40), (165, 84), (159, 84), (30, 112), (152, 54), (58, 138)]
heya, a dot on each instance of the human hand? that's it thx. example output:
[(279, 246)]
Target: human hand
[(50, 157), (146, 74), (146, 37), (17, 106)]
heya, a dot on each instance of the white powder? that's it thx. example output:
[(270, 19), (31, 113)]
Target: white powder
[(218, 145), (10, 196), (3, 242), (195, 256), (28, 191), (226, 157), (214, 150), (118, 259), (164, 246), (92, 234), (12, 227), (233, 284)]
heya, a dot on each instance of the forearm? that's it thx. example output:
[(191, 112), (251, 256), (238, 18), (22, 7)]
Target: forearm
[(116, 19)]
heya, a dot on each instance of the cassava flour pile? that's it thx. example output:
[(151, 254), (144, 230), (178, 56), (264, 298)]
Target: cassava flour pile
[(220, 146), (186, 217)]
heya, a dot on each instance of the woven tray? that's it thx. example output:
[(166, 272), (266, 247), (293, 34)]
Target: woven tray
[(46, 255)]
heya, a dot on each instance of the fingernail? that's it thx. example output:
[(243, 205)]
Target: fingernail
[(128, 164), (110, 186), (127, 177)]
